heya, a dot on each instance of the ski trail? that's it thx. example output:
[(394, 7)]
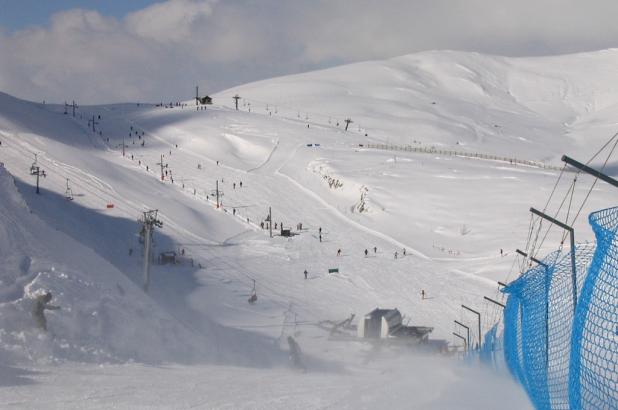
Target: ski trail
[(340, 215), (96, 187), (162, 140), (267, 159)]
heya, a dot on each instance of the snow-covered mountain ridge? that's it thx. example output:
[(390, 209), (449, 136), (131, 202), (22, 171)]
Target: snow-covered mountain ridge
[(500, 105), (286, 149)]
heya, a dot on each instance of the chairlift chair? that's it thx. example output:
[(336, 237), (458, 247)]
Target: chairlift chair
[(68, 194), (35, 165)]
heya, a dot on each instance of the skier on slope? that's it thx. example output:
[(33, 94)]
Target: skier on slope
[(295, 354), (41, 303), (305, 272), (366, 253)]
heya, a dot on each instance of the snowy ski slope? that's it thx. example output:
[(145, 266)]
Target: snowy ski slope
[(451, 214)]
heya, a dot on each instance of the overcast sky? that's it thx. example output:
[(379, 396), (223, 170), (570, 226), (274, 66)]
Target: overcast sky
[(108, 51)]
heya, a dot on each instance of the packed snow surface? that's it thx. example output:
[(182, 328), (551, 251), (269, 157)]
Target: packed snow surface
[(193, 340)]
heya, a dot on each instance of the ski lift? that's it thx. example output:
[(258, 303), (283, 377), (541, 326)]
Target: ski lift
[(35, 166), (253, 297), (68, 194)]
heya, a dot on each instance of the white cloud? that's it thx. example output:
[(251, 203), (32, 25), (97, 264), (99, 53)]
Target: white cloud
[(171, 21), (160, 52)]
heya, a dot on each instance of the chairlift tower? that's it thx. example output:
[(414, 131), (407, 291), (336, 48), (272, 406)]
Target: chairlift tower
[(149, 221), (38, 172), (163, 165), (348, 121), (92, 123), (236, 98)]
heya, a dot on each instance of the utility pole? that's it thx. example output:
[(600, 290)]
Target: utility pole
[(74, 107), (149, 221), (479, 316), (123, 145), (39, 173), (236, 98), (348, 121)]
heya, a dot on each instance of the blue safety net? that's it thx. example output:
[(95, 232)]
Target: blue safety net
[(560, 336), (594, 355)]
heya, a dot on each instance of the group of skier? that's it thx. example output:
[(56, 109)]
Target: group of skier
[(375, 251)]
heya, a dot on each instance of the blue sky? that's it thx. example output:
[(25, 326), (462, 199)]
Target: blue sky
[(18, 14)]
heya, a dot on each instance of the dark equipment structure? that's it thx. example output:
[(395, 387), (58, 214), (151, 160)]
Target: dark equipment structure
[(387, 323)]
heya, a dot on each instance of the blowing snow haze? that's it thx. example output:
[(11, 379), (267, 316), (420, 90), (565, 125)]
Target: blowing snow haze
[(329, 228)]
